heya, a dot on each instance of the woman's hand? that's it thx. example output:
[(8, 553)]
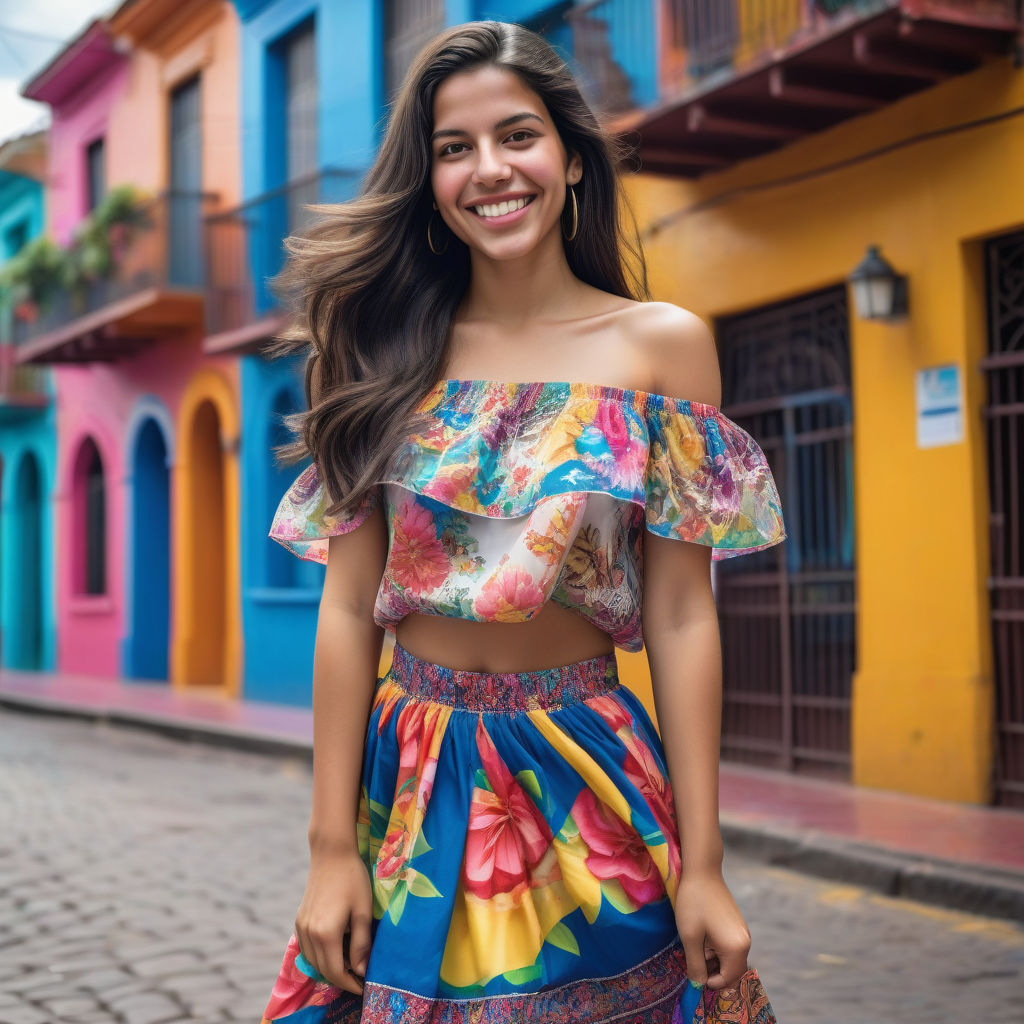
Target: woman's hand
[(332, 924), (715, 937)]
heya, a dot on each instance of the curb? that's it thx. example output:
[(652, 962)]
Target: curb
[(988, 891), (218, 735)]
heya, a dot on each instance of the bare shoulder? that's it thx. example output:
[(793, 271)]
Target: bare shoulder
[(679, 350)]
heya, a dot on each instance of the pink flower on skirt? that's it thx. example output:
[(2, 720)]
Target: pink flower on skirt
[(617, 852), (416, 726), (414, 730), (394, 853), (644, 771), (293, 990), (507, 835)]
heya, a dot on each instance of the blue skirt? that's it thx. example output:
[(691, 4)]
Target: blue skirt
[(520, 837)]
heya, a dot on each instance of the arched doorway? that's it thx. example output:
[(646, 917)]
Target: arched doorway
[(25, 636), (150, 555), (206, 644)]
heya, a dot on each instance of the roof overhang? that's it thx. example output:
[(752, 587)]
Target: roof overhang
[(90, 54)]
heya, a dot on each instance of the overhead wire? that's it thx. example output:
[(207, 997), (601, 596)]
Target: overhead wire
[(660, 223)]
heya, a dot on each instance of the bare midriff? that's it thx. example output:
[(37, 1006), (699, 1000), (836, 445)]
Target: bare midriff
[(554, 636)]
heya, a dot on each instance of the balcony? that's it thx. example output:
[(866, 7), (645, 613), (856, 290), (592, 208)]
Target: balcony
[(155, 290), (245, 249), (23, 389), (706, 84)]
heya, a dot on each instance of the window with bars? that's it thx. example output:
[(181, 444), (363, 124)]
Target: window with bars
[(185, 257), (408, 25), (298, 52)]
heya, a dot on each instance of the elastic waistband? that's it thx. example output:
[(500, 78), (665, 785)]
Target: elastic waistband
[(503, 691)]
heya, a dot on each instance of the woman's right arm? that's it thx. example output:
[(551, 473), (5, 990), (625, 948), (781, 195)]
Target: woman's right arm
[(346, 659)]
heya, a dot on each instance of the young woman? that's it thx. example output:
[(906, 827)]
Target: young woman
[(502, 479)]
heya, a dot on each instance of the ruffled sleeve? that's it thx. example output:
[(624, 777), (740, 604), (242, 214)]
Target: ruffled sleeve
[(708, 481), (301, 523)]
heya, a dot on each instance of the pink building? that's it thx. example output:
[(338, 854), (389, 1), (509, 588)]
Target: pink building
[(147, 424)]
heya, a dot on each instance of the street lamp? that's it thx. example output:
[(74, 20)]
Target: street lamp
[(879, 293)]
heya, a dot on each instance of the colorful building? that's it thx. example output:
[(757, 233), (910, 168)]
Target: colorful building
[(783, 149), (146, 499), (884, 640), (311, 134), (27, 433)]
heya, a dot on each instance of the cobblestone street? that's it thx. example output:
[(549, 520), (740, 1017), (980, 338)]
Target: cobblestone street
[(147, 880)]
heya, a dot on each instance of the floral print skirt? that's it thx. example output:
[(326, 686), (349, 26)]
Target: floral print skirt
[(520, 837)]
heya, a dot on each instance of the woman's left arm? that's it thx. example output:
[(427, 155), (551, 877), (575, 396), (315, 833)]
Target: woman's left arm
[(683, 644)]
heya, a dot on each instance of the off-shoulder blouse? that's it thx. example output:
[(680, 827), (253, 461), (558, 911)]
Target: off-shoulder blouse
[(519, 493)]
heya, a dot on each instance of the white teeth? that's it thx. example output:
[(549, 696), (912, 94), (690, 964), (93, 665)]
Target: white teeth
[(500, 209)]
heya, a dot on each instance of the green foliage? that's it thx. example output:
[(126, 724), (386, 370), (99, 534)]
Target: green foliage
[(42, 269), (34, 273), (101, 236)]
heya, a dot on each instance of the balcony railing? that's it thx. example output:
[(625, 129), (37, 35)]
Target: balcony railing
[(155, 288), (709, 82), (245, 249)]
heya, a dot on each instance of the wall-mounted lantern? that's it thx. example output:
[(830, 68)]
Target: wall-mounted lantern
[(879, 293)]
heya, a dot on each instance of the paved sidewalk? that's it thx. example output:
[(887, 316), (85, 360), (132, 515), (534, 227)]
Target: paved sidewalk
[(956, 855)]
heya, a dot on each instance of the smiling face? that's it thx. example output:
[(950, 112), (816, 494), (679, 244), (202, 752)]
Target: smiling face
[(495, 148)]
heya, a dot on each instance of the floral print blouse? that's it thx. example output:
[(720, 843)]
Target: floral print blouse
[(512, 494)]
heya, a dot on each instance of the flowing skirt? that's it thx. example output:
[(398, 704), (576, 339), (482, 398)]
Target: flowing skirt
[(520, 837)]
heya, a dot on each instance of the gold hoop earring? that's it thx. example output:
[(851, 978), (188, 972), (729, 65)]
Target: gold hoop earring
[(575, 217), (430, 241)]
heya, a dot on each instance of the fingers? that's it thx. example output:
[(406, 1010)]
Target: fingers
[(729, 967), (327, 952), (360, 942), (337, 965), (717, 969)]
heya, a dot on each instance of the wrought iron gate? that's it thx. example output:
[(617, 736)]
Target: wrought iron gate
[(1004, 414), (788, 614)]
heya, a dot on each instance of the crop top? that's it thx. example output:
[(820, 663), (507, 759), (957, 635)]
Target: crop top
[(514, 494)]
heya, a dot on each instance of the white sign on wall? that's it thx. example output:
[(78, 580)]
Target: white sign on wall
[(940, 406)]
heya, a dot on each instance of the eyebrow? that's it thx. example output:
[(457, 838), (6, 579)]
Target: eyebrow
[(504, 123)]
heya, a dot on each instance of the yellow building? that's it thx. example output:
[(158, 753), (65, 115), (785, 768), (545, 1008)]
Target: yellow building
[(883, 641)]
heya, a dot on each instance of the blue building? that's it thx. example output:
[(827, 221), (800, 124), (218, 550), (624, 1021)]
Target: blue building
[(317, 77), (28, 448)]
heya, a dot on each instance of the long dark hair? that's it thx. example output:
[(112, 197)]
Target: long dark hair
[(373, 306)]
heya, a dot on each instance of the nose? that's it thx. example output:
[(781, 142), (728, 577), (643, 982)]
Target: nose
[(490, 166)]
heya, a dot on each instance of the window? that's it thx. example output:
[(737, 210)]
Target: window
[(301, 102), (14, 238), (95, 172), (184, 211), (89, 502), (408, 24)]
